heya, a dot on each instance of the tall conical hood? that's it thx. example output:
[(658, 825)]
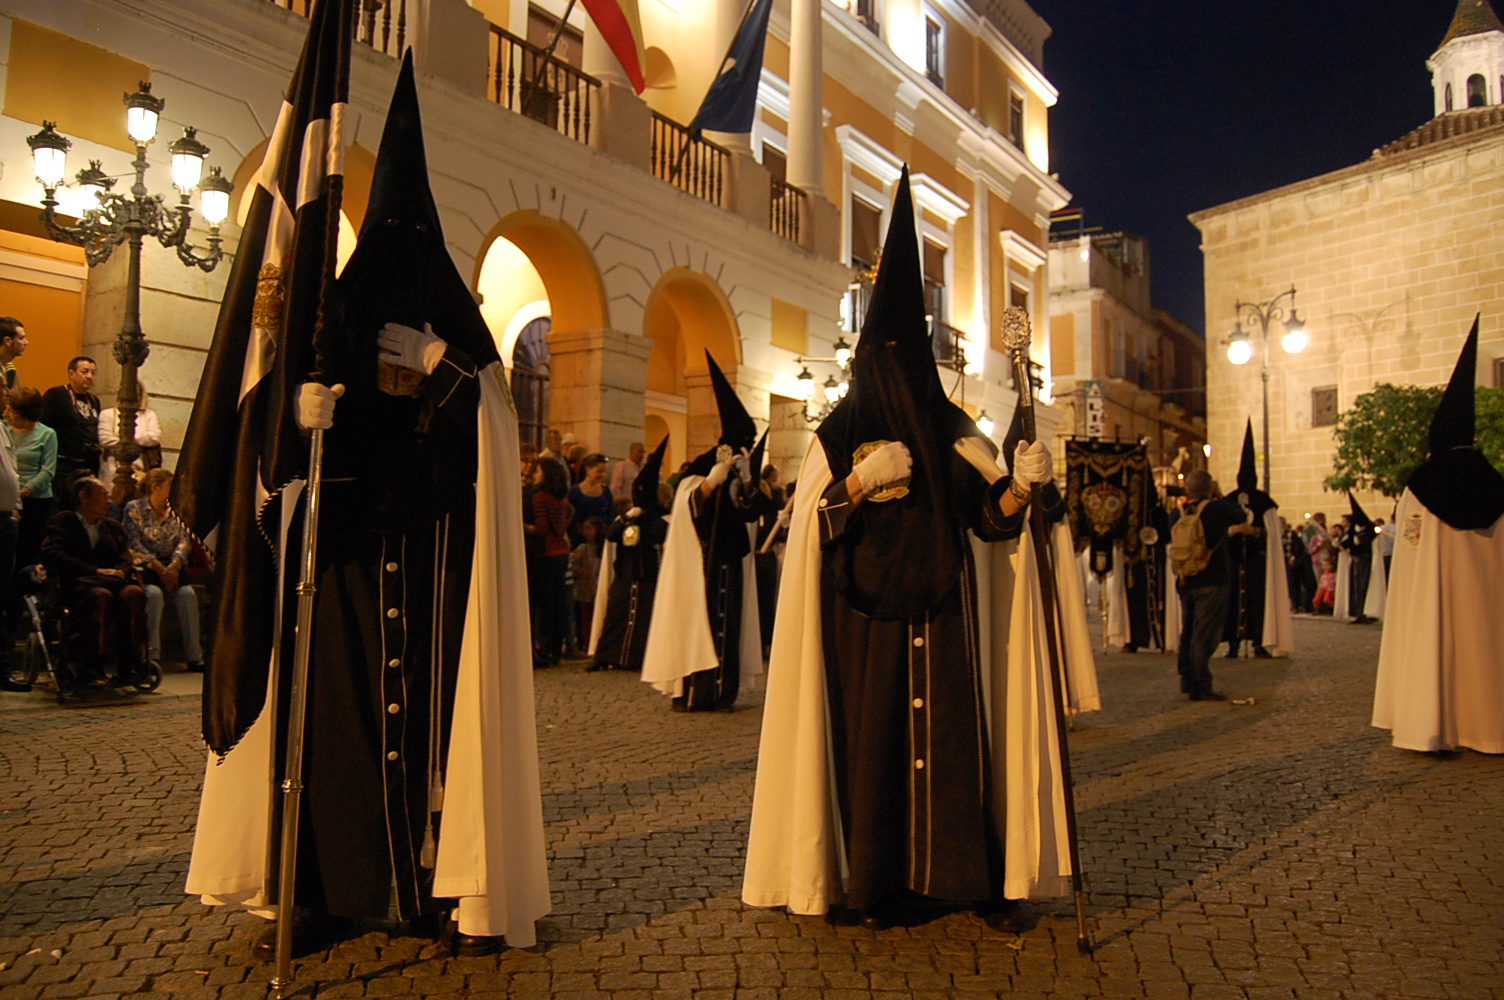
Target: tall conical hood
[(755, 460), (1457, 483), (737, 427), (906, 553), (1248, 471), (1358, 516), (645, 486), (401, 270)]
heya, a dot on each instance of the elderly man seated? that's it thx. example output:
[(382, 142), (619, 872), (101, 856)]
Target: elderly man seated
[(90, 553)]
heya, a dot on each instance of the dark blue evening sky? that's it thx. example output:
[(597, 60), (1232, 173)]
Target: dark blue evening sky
[(1170, 106)]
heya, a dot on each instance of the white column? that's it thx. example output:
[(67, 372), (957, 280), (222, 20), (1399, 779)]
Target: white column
[(806, 169), (599, 61)]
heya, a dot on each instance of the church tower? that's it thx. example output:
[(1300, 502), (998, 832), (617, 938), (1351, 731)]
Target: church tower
[(1467, 70)]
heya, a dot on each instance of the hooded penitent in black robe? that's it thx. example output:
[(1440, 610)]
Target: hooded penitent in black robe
[(396, 539), (1246, 558), (898, 591), (721, 521), (1357, 541), (635, 545)]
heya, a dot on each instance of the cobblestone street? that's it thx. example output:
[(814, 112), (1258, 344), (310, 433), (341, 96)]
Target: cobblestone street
[(1278, 850)]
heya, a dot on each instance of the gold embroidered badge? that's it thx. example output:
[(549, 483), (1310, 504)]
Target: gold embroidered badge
[(894, 490)]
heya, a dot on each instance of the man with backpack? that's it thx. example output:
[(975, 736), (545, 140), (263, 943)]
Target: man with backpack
[(1199, 558)]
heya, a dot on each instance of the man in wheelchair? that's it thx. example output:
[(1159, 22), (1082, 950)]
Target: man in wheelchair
[(90, 553)]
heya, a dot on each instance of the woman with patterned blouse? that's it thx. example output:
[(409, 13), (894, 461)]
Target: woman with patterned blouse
[(161, 546)]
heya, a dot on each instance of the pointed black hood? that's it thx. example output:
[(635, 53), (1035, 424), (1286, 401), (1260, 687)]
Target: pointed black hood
[(645, 486), (401, 270), (906, 552), (1457, 483), (1249, 496), (1358, 515), (737, 427)]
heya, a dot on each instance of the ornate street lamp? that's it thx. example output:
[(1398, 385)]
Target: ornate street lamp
[(111, 219), (1254, 317)]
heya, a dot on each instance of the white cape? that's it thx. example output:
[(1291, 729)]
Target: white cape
[(679, 640), (491, 852), (602, 594), (1440, 683), (1378, 588), (1118, 629), (1081, 666), (1172, 609), (795, 853), (1279, 626)]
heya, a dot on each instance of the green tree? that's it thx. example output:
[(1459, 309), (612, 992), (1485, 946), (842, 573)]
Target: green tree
[(1381, 438)]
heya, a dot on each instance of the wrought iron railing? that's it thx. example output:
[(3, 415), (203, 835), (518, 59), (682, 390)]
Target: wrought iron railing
[(382, 23), (545, 88), (785, 209), (946, 341), (691, 164)]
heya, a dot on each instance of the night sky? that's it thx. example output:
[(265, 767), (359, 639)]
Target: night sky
[(1170, 106)]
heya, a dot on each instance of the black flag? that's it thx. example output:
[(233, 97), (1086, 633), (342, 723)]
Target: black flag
[(242, 447)]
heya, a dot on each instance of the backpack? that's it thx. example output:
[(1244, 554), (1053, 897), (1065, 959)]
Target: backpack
[(1189, 553)]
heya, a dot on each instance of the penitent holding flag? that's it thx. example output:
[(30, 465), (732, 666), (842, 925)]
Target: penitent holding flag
[(731, 103), (622, 28), (242, 449)]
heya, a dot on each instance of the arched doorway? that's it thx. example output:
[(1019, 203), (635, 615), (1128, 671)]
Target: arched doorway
[(529, 368), (536, 278), (360, 164), (687, 314)]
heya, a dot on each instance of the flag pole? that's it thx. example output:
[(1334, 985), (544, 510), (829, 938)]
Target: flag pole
[(548, 50), (694, 133), (292, 782), (1016, 337)]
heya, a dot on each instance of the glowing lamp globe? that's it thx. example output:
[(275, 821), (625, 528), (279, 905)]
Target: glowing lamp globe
[(1239, 352)]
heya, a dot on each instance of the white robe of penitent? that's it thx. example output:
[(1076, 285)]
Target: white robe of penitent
[(1279, 626), (1082, 695), (1119, 629), (679, 639), (491, 854), (795, 850), (1440, 682)]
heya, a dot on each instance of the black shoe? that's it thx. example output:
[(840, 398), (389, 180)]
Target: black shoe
[(1232, 652), (310, 933), (474, 946), (1009, 917), (6, 684), (197, 668), (1260, 653), (841, 916), (1129, 647), (126, 677), (876, 921), (1208, 695), (594, 668), (1363, 620)]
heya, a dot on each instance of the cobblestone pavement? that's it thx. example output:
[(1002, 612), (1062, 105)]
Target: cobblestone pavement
[(1278, 850)]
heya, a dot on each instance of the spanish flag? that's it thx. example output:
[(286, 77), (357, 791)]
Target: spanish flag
[(622, 29)]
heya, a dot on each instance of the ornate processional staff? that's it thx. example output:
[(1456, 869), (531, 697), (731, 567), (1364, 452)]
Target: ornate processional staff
[(1016, 335)]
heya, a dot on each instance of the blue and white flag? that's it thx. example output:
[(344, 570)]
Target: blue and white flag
[(731, 103)]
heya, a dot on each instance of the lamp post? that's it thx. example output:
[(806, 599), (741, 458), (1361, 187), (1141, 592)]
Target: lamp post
[(110, 219), (1257, 316), (834, 390)]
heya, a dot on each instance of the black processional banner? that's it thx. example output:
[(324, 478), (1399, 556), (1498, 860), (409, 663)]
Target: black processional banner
[(1107, 490)]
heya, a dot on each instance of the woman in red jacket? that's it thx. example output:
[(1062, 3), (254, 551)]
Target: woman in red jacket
[(550, 521)]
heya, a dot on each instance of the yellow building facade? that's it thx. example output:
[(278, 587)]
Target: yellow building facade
[(608, 248)]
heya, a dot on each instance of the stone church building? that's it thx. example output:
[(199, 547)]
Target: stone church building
[(1390, 258)]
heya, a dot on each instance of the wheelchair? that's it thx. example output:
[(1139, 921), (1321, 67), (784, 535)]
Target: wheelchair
[(43, 638)]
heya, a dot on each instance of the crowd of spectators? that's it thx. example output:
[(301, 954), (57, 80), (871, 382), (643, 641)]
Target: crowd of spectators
[(113, 548), (1311, 556), (570, 496)]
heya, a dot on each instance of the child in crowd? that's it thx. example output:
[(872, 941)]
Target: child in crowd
[(585, 561), (1326, 593)]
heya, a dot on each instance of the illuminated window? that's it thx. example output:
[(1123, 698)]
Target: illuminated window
[(1016, 119), (1447, 98), (934, 279), (866, 233)]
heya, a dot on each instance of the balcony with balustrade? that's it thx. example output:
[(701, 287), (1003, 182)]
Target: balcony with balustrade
[(527, 80)]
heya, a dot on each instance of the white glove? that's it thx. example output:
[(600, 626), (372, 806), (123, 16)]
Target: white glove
[(887, 464), (718, 473), (783, 518), (744, 466), (1032, 463), (402, 345), (634, 513), (979, 457), (316, 405)]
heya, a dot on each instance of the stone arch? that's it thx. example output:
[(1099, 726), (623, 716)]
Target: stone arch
[(564, 266), (686, 315), (360, 165)]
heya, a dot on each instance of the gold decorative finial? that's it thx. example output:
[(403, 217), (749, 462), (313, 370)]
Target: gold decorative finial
[(1016, 332)]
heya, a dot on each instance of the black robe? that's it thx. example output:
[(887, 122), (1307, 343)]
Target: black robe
[(395, 549), (629, 602), (908, 726), (1358, 541), (721, 521), (1245, 594), (1145, 585)]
